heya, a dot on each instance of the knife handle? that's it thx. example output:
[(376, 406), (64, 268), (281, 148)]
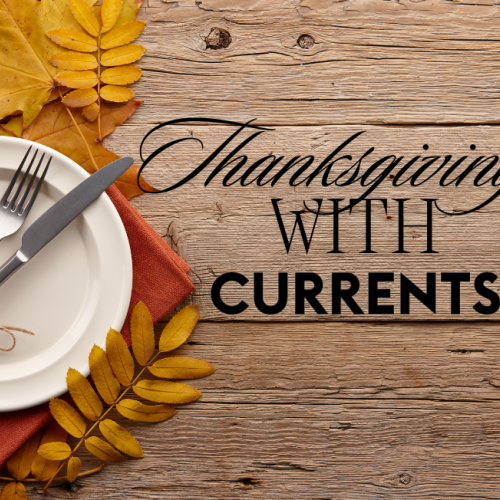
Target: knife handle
[(10, 267)]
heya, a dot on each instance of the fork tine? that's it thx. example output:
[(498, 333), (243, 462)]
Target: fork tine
[(26, 211), (20, 205), (13, 200), (14, 179)]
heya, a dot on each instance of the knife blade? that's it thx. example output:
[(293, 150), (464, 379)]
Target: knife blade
[(62, 213)]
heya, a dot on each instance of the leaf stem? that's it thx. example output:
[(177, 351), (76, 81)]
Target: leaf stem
[(100, 419), (61, 478), (80, 132), (99, 135), (9, 131)]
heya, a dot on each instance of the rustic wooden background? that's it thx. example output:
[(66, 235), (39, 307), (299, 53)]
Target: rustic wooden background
[(319, 410)]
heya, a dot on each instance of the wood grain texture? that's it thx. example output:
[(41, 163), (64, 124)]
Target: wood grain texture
[(372, 62), (220, 229), (331, 410), (314, 411)]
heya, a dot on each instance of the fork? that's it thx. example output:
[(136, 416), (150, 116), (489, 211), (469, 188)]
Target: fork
[(14, 209)]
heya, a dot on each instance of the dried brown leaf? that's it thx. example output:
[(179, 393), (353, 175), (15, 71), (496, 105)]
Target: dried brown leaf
[(54, 128)]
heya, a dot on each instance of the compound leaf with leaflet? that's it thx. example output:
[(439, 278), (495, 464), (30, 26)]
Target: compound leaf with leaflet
[(67, 417), (19, 464), (179, 328), (83, 394), (102, 450)]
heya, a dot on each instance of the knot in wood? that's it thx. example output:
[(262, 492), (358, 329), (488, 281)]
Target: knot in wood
[(218, 38), (305, 41), (405, 478)]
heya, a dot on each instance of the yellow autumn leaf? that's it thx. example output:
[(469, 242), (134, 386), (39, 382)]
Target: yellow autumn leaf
[(142, 333), (122, 75), (120, 438), (104, 379), (135, 410), (80, 98), (19, 464), (74, 61), (83, 395), (161, 391), (122, 35), (119, 357), (85, 17), (74, 466), (77, 79), (42, 468), (90, 112), (13, 128), (26, 76), (73, 40), (129, 12), (55, 451), (102, 450), (14, 491), (110, 11), (114, 93), (179, 328), (177, 367), (123, 55), (67, 417)]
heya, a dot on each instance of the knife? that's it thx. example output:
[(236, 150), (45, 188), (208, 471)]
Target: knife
[(59, 215)]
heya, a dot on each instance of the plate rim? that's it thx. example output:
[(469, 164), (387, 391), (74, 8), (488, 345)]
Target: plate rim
[(126, 290)]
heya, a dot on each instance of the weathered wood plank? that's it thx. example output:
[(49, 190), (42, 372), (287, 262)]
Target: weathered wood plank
[(372, 62), (219, 229), (315, 411)]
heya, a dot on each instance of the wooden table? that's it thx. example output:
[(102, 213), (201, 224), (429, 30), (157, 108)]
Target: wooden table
[(318, 408)]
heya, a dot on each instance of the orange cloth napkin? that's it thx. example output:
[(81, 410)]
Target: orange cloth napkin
[(160, 281)]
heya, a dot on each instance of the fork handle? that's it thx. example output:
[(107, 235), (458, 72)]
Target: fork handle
[(10, 267)]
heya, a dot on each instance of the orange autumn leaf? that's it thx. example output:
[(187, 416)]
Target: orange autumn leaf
[(54, 128), (55, 451), (19, 464), (42, 468), (74, 466), (14, 491), (102, 450)]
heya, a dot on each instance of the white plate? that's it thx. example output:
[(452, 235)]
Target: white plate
[(69, 295)]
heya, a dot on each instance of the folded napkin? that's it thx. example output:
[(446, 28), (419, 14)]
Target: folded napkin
[(160, 280)]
